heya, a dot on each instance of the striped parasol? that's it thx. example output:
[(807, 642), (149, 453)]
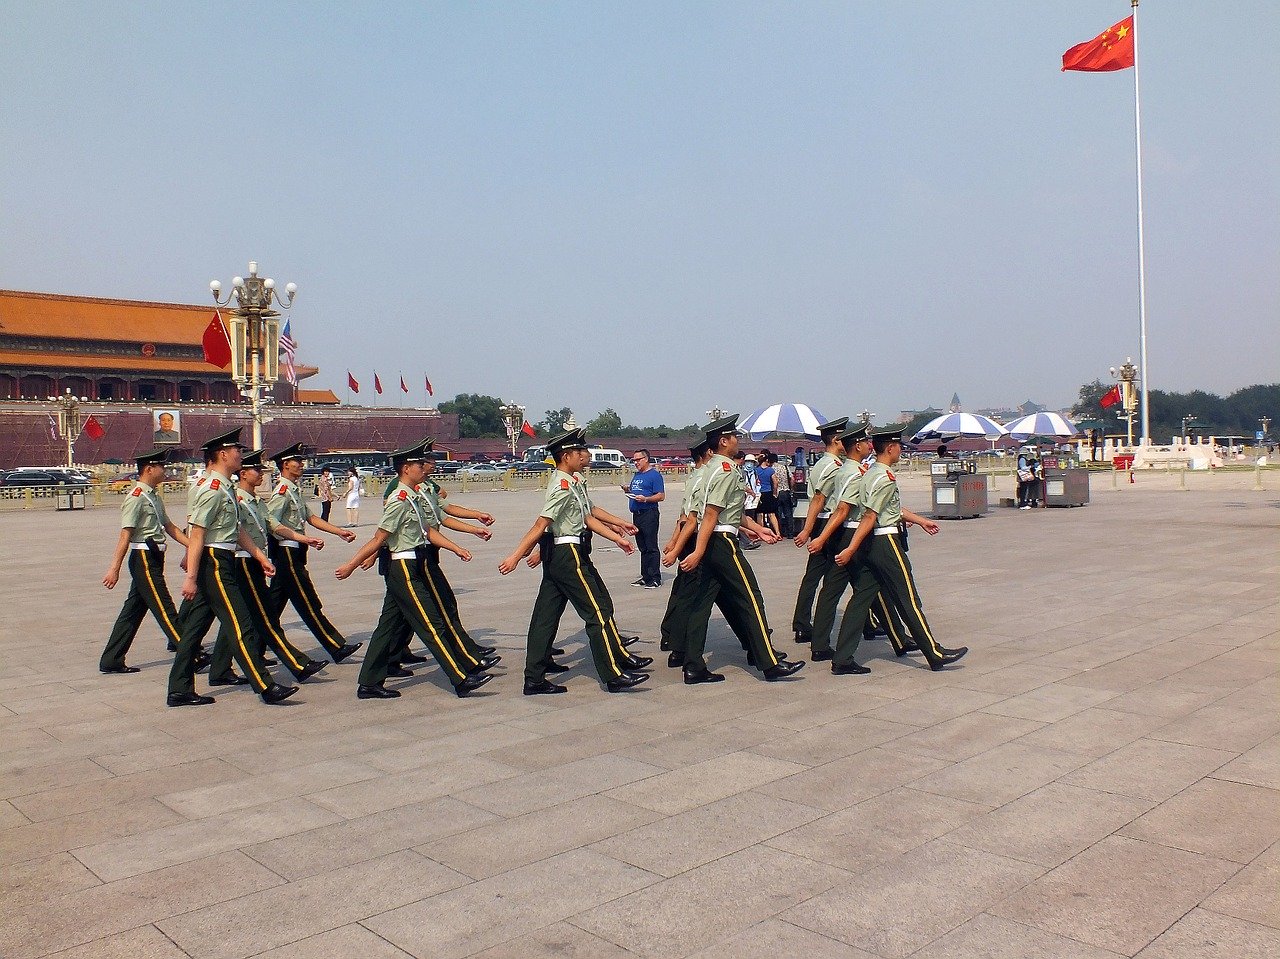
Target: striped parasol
[(959, 424), (1042, 424), (783, 419)]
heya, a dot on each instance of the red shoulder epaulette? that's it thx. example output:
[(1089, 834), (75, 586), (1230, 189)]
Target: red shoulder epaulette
[(403, 494), (137, 491), (564, 484), (726, 466), (282, 490), (889, 473), (862, 470), (214, 484)]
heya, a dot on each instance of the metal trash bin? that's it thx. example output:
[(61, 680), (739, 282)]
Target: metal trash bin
[(1066, 486), (69, 499), (959, 492)]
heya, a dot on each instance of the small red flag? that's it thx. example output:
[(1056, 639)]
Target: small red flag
[(528, 430), (93, 429), (1111, 397), (217, 345), (404, 387), (377, 383), (1110, 50), (430, 391), (352, 385)]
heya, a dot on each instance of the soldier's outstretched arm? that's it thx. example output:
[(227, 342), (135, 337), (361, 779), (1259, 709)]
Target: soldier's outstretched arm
[(707, 525), (530, 540), (463, 512), (326, 526), (175, 533), (437, 538), (928, 525), (364, 553), (117, 558), (460, 527)]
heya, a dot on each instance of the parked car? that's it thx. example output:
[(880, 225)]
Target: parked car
[(123, 484), (535, 467), (448, 467), (481, 470), (43, 480)]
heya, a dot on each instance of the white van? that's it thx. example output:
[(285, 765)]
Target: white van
[(613, 457)]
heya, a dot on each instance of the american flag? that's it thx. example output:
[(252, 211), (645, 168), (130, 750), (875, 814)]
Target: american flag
[(289, 347)]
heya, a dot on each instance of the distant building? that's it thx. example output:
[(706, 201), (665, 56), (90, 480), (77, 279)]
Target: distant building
[(955, 406)]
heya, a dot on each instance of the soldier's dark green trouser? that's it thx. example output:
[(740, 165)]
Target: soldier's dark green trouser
[(266, 625), (147, 592), (883, 564), (814, 570), (726, 573), (679, 604), (568, 577), (292, 584), (409, 602), (460, 641), (833, 586), (219, 595)]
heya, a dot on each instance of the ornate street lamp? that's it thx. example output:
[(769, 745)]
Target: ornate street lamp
[(1185, 420), (254, 332), (715, 413), (1128, 376), (69, 423), (513, 416), (866, 416)]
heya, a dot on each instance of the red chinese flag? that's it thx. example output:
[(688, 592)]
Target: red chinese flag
[(1111, 397), (1110, 50), (528, 430), (404, 387), (93, 429), (217, 345), (377, 384), (352, 385), (430, 391)]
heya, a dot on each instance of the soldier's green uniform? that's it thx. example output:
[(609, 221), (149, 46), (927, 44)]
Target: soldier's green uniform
[(292, 582), (144, 516), (822, 479), (214, 508), (676, 617)]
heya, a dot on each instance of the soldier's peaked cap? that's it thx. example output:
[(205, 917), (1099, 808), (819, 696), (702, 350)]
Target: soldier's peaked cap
[(854, 434), (252, 460), (225, 441), (698, 450), (888, 434), (568, 440), (410, 454), (831, 427), (157, 457), (726, 424), (293, 452)]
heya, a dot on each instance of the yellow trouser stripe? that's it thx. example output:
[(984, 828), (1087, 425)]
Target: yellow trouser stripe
[(888, 617), (408, 585), (306, 598), (163, 613), (764, 630), (911, 595), (281, 644), (613, 661), (448, 620), (248, 660)]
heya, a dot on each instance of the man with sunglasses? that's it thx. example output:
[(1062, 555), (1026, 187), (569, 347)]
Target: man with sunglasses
[(644, 493)]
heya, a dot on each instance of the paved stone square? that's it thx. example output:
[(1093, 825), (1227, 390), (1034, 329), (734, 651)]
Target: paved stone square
[(1100, 777)]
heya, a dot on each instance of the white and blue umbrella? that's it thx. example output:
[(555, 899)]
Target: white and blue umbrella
[(783, 419), (1042, 424), (959, 424)]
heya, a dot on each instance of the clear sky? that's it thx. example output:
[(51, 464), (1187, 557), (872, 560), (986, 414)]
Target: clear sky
[(661, 207)]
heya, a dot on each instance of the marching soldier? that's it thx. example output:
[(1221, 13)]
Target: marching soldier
[(257, 522), (143, 526), (292, 582), (213, 536), (876, 560), (821, 480), (679, 546), (405, 534), (724, 569), (568, 575), (845, 515)]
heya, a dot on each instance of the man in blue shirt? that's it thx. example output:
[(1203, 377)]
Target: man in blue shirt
[(644, 494)]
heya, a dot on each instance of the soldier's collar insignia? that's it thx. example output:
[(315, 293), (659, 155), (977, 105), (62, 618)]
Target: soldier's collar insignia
[(137, 491), (214, 484)]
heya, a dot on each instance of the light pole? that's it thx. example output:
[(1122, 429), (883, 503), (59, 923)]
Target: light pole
[(1265, 423), (1185, 420), (254, 333), (866, 416), (1128, 375), (69, 419), (715, 413), (513, 416)]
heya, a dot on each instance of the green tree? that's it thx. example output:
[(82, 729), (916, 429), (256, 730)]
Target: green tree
[(552, 422), (478, 415), (1089, 400), (606, 423)]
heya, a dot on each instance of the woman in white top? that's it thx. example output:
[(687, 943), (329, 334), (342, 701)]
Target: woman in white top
[(353, 497)]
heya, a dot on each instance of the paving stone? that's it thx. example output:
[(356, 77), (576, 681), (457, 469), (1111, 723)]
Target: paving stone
[(541, 752), (537, 790), (1002, 774), (965, 736), (1251, 893), (773, 938), (561, 940), (1149, 769), (1218, 818), (401, 789), (1049, 704), (1225, 724), (1206, 935), (37, 840), (833, 740), (846, 782), (1260, 766), (38, 879), (259, 790), (684, 789), (344, 942), (990, 937), (144, 942), (935, 706)]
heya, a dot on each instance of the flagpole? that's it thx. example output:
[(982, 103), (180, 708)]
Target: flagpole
[(1142, 265)]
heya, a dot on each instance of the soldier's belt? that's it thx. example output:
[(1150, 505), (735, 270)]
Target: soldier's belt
[(405, 554), (289, 543), (726, 528), (152, 545), (243, 554), (886, 530), (825, 514), (225, 547), (851, 523), (561, 540)]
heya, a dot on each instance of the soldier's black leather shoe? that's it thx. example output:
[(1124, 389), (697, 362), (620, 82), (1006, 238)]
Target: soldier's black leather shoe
[(949, 656), (411, 659), (119, 669), (636, 662), (849, 669), (275, 693), (676, 659), (471, 684), (692, 677), (907, 647), (820, 655), (802, 636), (399, 672), (188, 699), (202, 662), (342, 652), (664, 644), (554, 667), (268, 661), (628, 640), (376, 692), (313, 666), (171, 646), (486, 650), (783, 670), (231, 679), (543, 688), (557, 650), (625, 681), (488, 662)]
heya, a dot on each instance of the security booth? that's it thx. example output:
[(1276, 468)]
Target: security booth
[(959, 490), (1065, 484)]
